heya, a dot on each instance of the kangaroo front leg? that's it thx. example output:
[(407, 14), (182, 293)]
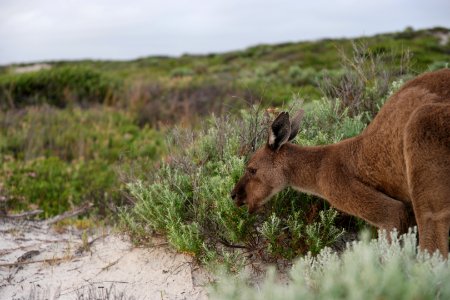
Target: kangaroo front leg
[(378, 209)]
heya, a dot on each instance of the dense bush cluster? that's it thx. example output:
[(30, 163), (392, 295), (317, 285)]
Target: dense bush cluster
[(182, 100), (167, 89), (55, 185), (376, 269), (57, 159), (59, 86), (188, 198), (366, 78)]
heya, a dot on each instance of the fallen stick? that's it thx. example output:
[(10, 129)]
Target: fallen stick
[(68, 214), (48, 260), (25, 214)]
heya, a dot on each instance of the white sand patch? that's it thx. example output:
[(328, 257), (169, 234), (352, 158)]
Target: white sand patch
[(54, 267), (31, 68), (444, 37)]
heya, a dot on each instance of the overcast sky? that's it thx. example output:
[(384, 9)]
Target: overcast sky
[(35, 30)]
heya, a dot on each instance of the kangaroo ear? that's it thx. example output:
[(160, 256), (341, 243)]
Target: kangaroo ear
[(279, 131), (295, 124)]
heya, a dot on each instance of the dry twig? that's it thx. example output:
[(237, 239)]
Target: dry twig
[(69, 214), (25, 214)]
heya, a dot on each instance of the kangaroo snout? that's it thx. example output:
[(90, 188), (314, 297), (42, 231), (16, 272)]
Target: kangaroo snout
[(238, 197)]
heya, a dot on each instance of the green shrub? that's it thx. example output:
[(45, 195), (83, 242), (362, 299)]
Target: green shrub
[(366, 78), (271, 230), (171, 101), (408, 33), (188, 196), (302, 76), (71, 134), (179, 203), (55, 186), (181, 72), (438, 65), (322, 233), (58, 86), (57, 159), (374, 269), (329, 122)]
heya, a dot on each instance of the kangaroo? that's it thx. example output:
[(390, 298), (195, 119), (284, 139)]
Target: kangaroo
[(398, 168)]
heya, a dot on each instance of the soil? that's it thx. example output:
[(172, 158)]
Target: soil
[(37, 262)]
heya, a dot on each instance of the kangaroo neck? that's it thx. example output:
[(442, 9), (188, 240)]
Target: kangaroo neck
[(305, 165)]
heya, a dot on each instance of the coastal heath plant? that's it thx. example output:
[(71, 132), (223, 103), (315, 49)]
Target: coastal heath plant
[(187, 198), (366, 269)]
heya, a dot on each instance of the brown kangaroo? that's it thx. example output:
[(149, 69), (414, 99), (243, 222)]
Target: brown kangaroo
[(399, 164)]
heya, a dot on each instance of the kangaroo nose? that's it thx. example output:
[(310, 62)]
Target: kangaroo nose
[(233, 195)]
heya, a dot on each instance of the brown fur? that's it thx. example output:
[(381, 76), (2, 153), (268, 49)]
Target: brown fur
[(399, 164)]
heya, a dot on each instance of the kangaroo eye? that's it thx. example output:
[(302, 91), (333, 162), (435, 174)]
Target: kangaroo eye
[(252, 171)]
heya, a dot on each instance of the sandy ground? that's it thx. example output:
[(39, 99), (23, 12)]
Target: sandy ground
[(31, 68), (38, 263), (443, 37)]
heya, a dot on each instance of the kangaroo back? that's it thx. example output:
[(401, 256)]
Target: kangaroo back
[(393, 175)]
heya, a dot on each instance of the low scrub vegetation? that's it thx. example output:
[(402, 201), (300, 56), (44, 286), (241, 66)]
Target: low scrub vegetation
[(169, 89), (101, 132), (55, 186), (369, 269), (188, 197), (366, 78), (56, 159), (60, 87)]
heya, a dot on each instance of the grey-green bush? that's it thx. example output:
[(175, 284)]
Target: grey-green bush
[(367, 269), (59, 86), (188, 197)]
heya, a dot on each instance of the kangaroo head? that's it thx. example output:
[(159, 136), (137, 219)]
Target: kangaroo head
[(266, 172)]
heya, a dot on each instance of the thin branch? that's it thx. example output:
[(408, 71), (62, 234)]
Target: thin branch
[(25, 214), (69, 214), (48, 260), (227, 244)]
